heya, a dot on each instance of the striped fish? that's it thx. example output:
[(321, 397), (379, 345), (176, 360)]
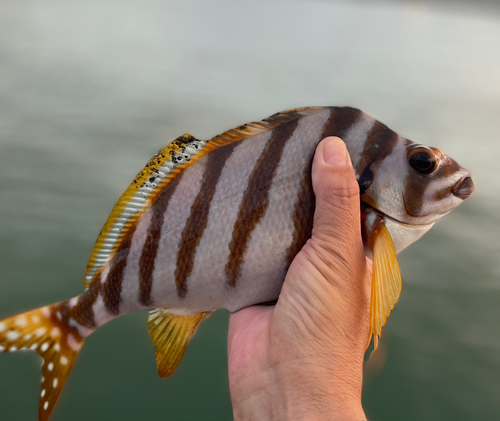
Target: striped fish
[(215, 224)]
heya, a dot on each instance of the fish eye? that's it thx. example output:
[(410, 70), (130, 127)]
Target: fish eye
[(423, 160)]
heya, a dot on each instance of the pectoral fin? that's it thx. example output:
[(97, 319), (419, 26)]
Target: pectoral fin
[(386, 279), (171, 334)]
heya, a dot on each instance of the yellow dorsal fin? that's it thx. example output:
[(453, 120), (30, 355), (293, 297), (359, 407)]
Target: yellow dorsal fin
[(159, 171), (171, 334), (386, 280)]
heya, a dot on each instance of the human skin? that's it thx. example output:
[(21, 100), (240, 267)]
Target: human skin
[(303, 358)]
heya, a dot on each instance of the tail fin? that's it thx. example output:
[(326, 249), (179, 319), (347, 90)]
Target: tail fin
[(42, 331)]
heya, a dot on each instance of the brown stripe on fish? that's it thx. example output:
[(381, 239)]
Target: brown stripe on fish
[(150, 248), (256, 198), (198, 218), (83, 312), (379, 144), (340, 121), (303, 215), (442, 193), (113, 287)]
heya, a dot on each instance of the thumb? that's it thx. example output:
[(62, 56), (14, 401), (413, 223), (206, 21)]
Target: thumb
[(337, 226)]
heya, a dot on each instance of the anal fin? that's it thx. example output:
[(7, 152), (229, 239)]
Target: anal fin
[(171, 334)]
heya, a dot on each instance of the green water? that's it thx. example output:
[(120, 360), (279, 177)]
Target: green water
[(89, 91)]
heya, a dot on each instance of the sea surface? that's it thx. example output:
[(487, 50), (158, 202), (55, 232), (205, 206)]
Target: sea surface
[(90, 90)]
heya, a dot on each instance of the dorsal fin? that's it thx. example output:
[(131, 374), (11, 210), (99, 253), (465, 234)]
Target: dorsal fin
[(159, 171)]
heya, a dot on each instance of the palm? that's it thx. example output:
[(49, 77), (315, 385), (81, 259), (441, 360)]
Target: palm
[(248, 341), (314, 338), (259, 336)]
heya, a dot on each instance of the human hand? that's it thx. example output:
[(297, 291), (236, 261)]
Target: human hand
[(303, 358)]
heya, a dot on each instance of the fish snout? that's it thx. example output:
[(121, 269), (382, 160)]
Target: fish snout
[(464, 188)]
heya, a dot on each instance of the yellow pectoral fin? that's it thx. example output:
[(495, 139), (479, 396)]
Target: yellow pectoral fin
[(171, 334), (386, 280)]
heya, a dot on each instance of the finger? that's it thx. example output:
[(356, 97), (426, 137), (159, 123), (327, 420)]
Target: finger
[(337, 215)]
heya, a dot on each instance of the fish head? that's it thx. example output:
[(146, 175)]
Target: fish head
[(412, 187)]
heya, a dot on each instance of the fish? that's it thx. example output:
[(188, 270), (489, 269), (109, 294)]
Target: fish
[(215, 224)]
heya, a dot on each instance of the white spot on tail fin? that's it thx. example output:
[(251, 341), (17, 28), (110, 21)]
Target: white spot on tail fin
[(64, 360), (46, 405), (43, 393), (83, 331), (46, 312), (44, 347), (55, 332), (73, 302), (2, 348), (50, 367), (13, 335), (55, 383), (40, 332), (13, 348), (73, 323), (21, 321), (57, 347), (34, 346), (2, 327), (27, 337), (73, 344), (35, 319)]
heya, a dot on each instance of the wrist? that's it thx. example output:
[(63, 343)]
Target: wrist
[(297, 393)]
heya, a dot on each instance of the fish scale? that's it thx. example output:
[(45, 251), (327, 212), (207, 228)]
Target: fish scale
[(215, 224), (221, 219)]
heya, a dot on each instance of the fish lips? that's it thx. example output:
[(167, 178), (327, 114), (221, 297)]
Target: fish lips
[(463, 188)]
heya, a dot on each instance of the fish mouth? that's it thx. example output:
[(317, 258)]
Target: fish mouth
[(384, 216)]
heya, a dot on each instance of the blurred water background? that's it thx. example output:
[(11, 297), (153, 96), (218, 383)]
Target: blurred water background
[(90, 90)]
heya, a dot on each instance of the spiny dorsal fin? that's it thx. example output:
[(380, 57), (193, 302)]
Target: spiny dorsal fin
[(41, 331), (134, 200), (255, 128), (386, 280), (171, 334), (159, 171)]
